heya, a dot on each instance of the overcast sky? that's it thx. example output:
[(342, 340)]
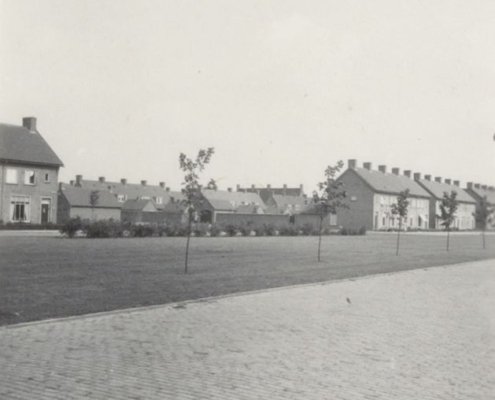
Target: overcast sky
[(281, 88)]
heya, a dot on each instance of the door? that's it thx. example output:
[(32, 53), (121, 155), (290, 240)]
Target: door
[(45, 211)]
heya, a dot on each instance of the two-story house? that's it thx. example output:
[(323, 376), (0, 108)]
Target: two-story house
[(28, 175)]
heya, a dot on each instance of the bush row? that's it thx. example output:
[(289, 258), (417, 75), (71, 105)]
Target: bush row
[(114, 229), (28, 226)]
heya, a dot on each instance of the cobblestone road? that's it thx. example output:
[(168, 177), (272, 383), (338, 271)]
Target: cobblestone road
[(424, 334)]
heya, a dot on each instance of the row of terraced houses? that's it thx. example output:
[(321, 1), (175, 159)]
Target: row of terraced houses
[(31, 193)]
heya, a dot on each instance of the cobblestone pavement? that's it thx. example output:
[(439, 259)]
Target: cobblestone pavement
[(424, 334)]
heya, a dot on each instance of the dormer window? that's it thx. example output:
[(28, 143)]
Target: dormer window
[(121, 198), (28, 177)]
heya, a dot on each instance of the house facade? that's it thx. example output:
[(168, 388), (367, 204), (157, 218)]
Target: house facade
[(28, 175), (464, 217), (371, 194), (481, 193), (77, 202)]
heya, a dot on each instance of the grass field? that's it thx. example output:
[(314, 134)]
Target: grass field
[(53, 277)]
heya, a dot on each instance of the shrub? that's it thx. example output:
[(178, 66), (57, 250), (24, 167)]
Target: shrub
[(143, 230), (104, 229), (289, 230), (70, 227)]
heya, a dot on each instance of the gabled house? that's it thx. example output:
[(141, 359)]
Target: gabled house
[(215, 203), (140, 212), (286, 204), (28, 175), (480, 192), (370, 196), (123, 190), (77, 202), (464, 217)]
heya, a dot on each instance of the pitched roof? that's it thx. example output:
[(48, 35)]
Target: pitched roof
[(437, 189), (18, 144), (231, 201), (80, 197), (389, 183), (287, 203), (489, 194), (135, 191), (266, 192), (138, 205)]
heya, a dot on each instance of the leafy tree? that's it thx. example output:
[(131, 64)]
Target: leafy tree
[(94, 198), (329, 197), (448, 209), (400, 209), (484, 217), (192, 188)]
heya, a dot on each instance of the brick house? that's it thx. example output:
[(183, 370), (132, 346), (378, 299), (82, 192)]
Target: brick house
[(28, 175), (76, 202), (480, 192), (123, 190), (371, 195), (464, 218), (266, 192)]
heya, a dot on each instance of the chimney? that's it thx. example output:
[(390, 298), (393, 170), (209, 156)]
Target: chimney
[(382, 168), (351, 163), (284, 189), (428, 177), (29, 123), (469, 185), (162, 185), (238, 188), (448, 181), (123, 181), (417, 176), (367, 165), (79, 180), (438, 179), (229, 189), (484, 187), (490, 188), (268, 186), (396, 171), (253, 187), (167, 189), (143, 182), (71, 182), (476, 185), (457, 183), (407, 173), (101, 179)]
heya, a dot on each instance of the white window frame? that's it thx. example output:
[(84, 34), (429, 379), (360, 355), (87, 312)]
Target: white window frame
[(12, 176), (121, 198), (17, 199), (28, 174)]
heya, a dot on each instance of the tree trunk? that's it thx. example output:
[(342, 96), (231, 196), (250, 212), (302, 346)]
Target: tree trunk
[(448, 238), (398, 238), (483, 236), (187, 245), (319, 239)]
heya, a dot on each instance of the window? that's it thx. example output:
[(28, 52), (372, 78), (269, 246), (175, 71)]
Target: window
[(159, 200), (121, 197), (11, 176), (19, 208), (28, 177), (46, 177)]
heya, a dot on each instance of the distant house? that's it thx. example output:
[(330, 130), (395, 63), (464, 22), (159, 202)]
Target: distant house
[(28, 175), (124, 191), (140, 211), (76, 202), (215, 204), (370, 196), (286, 204), (266, 192), (464, 218), (480, 192)]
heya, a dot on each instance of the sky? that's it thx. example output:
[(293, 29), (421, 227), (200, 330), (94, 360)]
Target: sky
[(280, 89)]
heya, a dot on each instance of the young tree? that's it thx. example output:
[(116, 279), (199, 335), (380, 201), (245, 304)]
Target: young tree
[(329, 197), (94, 197), (192, 188), (484, 217), (400, 209), (448, 209)]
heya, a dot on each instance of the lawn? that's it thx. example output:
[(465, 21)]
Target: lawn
[(53, 277)]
